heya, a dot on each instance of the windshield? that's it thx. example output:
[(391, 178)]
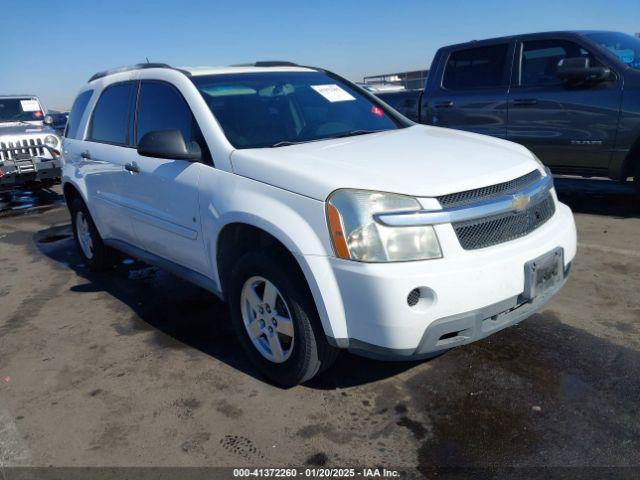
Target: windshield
[(625, 47), (275, 109), (20, 109)]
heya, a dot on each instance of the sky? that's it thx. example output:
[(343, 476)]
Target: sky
[(57, 46)]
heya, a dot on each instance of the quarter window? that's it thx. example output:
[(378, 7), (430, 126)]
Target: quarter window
[(540, 60), (112, 121), (77, 111), (480, 67)]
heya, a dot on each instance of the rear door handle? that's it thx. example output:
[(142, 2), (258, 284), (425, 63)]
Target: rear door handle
[(523, 102), (86, 155), (132, 167), (447, 104)]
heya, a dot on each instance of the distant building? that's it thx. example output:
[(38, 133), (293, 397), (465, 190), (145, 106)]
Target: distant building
[(408, 80)]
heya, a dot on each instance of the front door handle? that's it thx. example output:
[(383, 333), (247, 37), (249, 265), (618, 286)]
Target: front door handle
[(86, 155), (523, 102), (447, 104), (132, 167)]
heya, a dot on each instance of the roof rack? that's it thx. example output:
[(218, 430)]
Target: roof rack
[(137, 66), (268, 63)]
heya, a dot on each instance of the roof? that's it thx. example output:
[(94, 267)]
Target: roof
[(19, 95), (197, 71), (264, 66), (530, 34)]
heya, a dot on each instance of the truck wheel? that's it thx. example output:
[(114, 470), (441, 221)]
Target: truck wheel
[(91, 247), (276, 321), (636, 178)]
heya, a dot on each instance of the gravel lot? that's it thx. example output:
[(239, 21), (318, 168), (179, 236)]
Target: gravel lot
[(136, 368)]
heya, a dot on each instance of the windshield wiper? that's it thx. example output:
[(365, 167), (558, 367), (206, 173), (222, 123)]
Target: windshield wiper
[(284, 143), (353, 133), (350, 133)]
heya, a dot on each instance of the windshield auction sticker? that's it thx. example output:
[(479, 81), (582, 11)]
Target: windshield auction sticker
[(29, 105), (333, 92)]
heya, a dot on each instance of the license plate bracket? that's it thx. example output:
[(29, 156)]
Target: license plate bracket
[(543, 273)]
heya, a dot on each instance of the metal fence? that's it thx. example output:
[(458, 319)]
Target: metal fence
[(409, 80)]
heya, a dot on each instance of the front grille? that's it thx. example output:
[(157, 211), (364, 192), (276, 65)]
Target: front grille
[(488, 231), (9, 150), (477, 195)]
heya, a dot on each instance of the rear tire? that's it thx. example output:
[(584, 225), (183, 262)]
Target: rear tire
[(275, 319), (92, 249)]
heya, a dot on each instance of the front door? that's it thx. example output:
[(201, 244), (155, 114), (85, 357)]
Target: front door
[(163, 206), (570, 128)]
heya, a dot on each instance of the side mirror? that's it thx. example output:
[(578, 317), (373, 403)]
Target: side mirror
[(48, 120), (168, 144), (579, 70)]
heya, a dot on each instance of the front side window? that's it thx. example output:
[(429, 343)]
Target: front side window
[(480, 67), (271, 109), (77, 111), (161, 107), (112, 120), (25, 109), (625, 47), (540, 60)]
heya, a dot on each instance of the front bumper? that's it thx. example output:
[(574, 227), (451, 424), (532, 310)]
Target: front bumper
[(472, 293), (43, 171), (456, 330)]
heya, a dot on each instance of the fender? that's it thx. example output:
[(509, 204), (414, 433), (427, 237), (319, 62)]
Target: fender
[(299, 224)]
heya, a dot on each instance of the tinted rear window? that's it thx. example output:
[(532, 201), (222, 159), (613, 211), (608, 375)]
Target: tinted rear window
[(112, 121), (77, 111), (480, 67)]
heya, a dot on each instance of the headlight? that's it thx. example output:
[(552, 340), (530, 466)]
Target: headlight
[(543, 169), (51, 141), (357, 236)]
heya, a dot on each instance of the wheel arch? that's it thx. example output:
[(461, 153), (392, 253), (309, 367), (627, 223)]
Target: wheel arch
[(631, 161), (240, 236), (71, 190)]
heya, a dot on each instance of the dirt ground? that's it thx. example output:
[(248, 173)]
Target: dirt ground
[(136, 368)]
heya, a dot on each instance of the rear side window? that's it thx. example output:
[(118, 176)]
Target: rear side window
[(112, 120), (77, 111), (540, 60), (161, 107), (480, 67)]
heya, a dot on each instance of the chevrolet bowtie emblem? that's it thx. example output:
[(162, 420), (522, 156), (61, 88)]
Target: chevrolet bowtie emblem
[(520, 202)]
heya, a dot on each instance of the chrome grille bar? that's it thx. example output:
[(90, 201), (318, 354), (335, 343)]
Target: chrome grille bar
[(533, 193)]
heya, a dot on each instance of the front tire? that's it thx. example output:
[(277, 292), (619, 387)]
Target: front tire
[(92, 249), (276, 320)]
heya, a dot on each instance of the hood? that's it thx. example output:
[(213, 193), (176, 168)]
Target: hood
[(420, 161), (19, 128)]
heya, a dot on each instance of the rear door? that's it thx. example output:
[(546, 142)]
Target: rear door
[(471, 93), (108, 147), (163, 200), (571, 128)]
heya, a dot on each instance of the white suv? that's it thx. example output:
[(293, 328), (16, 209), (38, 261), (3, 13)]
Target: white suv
[(326, 219)]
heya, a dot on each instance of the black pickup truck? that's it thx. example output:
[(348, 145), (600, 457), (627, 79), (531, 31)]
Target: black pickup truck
[(573, 97)]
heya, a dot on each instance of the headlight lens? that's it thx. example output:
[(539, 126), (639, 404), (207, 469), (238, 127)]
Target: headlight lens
[(51, 141), (543, 169), (357, 236)]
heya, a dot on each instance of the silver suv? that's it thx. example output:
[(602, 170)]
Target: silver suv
[(29, 147)]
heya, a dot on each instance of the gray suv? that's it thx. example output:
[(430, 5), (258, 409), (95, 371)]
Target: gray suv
[(29, 147)]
